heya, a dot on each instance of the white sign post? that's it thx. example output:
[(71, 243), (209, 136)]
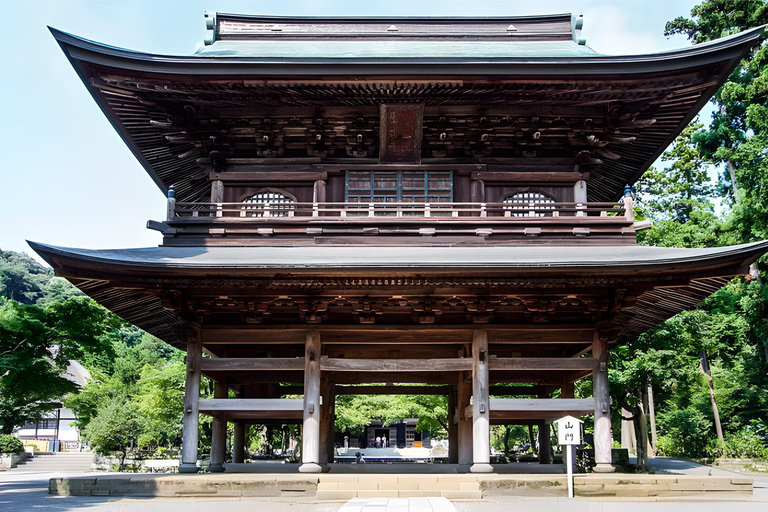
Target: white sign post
[(569, 436)]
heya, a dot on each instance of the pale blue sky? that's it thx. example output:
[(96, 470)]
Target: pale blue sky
[(68, 179)]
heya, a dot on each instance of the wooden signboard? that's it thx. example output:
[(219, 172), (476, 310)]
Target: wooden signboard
[(401, 129)]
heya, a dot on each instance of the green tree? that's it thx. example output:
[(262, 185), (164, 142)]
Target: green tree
[(36, 346), (115, 427)]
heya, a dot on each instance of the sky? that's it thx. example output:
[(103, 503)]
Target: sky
[(66, 177)]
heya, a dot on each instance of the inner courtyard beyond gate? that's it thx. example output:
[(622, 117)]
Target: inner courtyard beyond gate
[(416, 201)]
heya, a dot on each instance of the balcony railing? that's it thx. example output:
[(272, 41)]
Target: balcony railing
[(456, 211)]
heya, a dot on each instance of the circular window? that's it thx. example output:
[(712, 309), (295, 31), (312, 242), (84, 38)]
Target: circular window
[(529, 204), (268, 204)]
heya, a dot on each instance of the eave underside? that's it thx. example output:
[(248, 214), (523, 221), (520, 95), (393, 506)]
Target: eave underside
[(239, 306), (613, 115)]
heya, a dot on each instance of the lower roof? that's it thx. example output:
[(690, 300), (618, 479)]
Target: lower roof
[(540, 258)]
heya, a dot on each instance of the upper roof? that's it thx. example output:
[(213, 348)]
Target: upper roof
[(169, 109)]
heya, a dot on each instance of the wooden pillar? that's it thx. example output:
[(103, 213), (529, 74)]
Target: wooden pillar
[(310, 432), (463, 395), (481, 425), (453, 427), (326, 420), (580, 195), (332, 424), (477, 191), (217, 191), (238, 442), (318, 192), (600, 389), (189, 440), (566, 390), (219, 432), (545, 444)]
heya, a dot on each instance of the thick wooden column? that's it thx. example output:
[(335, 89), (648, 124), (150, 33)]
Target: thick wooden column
[(545, 444), (463, 395), (453, 427), (219, 432), (603, 457), (481, 425), (191, 402), (332, 425), (326, 419), (310, 432), (238, 442)]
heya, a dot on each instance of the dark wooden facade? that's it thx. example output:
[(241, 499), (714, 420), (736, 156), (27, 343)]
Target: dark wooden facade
[(436, 201)]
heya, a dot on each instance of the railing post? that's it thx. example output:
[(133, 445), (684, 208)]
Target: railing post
[(483, 211), (315, 210), (427, 210), (371, 212), (580, 197), (629, 204), (171, 213)]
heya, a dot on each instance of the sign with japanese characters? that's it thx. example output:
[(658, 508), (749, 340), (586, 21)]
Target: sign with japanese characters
[(569, 431)]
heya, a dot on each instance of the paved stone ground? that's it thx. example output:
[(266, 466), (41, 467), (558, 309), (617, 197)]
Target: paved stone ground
[(21, 492)]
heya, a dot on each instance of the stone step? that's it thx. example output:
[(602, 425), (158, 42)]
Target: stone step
[(345, 487), (64, 462)]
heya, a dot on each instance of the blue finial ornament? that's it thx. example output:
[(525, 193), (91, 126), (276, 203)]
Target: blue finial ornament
[(628, 191), (171, 192)]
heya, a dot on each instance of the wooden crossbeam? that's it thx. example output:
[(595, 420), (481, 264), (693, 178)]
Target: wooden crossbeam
[(330, 364), (253, 364), (209, 405), (541, 363), (392, 390), (537, 408)]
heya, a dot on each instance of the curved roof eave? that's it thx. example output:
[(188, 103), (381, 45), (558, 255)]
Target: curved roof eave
[(539, 259), (728, 48)]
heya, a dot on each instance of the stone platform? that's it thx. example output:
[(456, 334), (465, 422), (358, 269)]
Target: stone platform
[(345, 486)]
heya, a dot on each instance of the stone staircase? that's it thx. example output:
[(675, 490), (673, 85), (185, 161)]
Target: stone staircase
[(57, 462), (345, 487)]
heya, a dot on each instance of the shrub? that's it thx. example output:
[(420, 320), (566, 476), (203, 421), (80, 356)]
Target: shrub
[(746, 443), (685, 433), (10, 444)]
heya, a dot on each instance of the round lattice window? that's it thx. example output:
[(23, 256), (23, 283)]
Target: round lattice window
[(268, 204), (529, 204)]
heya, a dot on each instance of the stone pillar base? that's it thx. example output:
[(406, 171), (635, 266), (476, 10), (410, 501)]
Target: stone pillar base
[(216, 468), (604, 467), (186, 467), (481, 468), (310, 467)]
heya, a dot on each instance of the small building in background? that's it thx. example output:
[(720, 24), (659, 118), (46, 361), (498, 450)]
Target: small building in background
[(56, 432)]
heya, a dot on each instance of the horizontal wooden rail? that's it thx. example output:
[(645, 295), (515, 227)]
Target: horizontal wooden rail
[(541, 363), (392, 390), (332, 364), (251, 364), (536, 408), (251, 404), (266, 210)]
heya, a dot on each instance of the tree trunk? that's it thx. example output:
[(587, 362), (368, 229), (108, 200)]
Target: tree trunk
[(506, 440), (652, 415), (531, 439), (708, 374), (732, 172), (641, 434)]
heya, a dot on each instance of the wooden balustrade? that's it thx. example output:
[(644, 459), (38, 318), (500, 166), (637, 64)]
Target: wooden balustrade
[(511, 211)]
